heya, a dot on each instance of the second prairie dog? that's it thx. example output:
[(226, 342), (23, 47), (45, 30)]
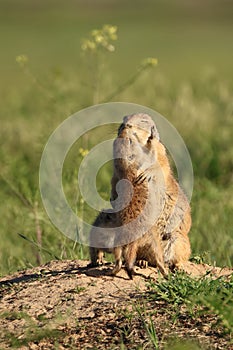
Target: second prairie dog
[(147, 167)]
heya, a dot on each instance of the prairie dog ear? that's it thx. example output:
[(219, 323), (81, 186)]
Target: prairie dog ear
[(154, 133)]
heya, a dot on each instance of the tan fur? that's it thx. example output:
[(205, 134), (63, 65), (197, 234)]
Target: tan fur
[(141, 159), (175, 240), (143, 244)]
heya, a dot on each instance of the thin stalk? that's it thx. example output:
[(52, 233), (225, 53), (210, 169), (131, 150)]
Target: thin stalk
[(125, 84), (36, 245), (38, 233)]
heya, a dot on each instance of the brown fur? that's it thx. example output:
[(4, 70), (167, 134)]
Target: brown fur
[(98, 238), (141, 159)]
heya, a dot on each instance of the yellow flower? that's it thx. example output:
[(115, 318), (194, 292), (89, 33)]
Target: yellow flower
[(110, 29), (22, 60), (83, 152), (150, 62), (88, 45), (111, 48), (113, 37), (100, 39)]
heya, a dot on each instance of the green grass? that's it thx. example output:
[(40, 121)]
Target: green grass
[(180, 313), (191, 86), (194, 298), (184, 301)]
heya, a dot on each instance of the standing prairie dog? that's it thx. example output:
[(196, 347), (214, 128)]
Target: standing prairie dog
[(140, 158)]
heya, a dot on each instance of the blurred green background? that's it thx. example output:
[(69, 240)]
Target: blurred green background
[(191, 86), (186, 36)]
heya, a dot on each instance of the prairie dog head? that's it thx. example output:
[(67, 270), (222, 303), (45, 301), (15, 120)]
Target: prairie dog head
[(135, 148), (139, 128)]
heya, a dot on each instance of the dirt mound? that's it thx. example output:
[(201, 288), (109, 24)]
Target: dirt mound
[(65, 304)]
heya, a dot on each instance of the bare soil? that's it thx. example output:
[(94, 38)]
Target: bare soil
[(67, 305)]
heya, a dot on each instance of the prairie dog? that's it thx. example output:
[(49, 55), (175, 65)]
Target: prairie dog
[(140, 158), (100, 239)]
